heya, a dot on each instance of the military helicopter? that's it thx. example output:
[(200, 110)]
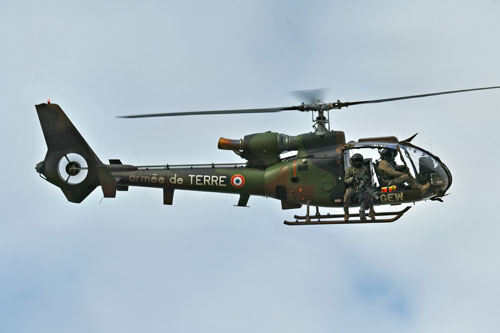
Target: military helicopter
[(313, 176)]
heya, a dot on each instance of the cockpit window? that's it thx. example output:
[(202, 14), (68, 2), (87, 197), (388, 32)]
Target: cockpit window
[(425, 167)]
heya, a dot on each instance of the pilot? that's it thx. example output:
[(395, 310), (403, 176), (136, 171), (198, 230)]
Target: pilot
[(393, 174), (357, 176)]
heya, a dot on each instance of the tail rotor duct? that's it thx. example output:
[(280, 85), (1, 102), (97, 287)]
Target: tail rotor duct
[(72, 168)]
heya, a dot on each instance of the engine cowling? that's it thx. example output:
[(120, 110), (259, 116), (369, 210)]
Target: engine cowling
[(260, 149)]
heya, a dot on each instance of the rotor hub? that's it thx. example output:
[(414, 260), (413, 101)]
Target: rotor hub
[(73, 168)]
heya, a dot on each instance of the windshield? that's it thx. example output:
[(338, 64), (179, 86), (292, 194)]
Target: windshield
[(425, 167)]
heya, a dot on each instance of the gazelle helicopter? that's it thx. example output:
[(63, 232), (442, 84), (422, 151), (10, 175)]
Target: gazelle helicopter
[(314, 176)]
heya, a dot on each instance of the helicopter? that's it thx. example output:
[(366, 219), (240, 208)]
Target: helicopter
[(313, 175)]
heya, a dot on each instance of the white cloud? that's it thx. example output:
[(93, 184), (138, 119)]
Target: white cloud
[(131, 264)]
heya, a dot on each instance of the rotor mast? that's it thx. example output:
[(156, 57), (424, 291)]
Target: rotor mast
[(322, 120)]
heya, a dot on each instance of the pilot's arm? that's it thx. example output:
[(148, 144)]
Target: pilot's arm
[(388, 169)]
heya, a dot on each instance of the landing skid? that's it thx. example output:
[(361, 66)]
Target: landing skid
[(319, 219)]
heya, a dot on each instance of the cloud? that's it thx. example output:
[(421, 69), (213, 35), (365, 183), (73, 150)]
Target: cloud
[(132, 264)]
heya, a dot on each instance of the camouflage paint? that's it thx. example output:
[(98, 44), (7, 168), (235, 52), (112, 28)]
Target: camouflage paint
[(315, 176)]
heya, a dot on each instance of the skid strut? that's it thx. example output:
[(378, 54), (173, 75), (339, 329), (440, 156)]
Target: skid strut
[(319, 219)]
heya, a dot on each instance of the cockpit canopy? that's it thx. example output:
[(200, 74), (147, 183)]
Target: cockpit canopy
[(423, 166)]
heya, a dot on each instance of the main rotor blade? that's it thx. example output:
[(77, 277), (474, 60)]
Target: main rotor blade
[(346, 104), (194, 113), (316, 106)]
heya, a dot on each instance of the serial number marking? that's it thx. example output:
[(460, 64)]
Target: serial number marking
[(391, 197)]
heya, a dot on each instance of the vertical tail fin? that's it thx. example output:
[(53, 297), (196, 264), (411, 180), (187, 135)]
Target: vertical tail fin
[(70, 163)]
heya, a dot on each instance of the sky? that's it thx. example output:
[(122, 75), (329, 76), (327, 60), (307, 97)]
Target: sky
[(131, 264)]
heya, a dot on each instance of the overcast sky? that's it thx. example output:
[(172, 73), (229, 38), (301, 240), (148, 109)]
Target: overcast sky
[(131, 264)]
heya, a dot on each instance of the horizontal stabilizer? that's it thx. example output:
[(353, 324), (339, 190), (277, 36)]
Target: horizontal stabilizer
[(108, 182)]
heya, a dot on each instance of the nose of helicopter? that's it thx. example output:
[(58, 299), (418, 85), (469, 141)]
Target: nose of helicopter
[(430, 169)]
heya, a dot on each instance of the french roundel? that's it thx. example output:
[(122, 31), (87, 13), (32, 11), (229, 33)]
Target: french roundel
[(238, 181)]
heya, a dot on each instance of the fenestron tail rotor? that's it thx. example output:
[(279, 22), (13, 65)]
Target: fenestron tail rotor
[(314, 104), (72, 169), (70, 163)]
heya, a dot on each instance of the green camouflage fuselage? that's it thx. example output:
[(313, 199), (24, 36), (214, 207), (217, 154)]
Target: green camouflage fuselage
[(314, 176)]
